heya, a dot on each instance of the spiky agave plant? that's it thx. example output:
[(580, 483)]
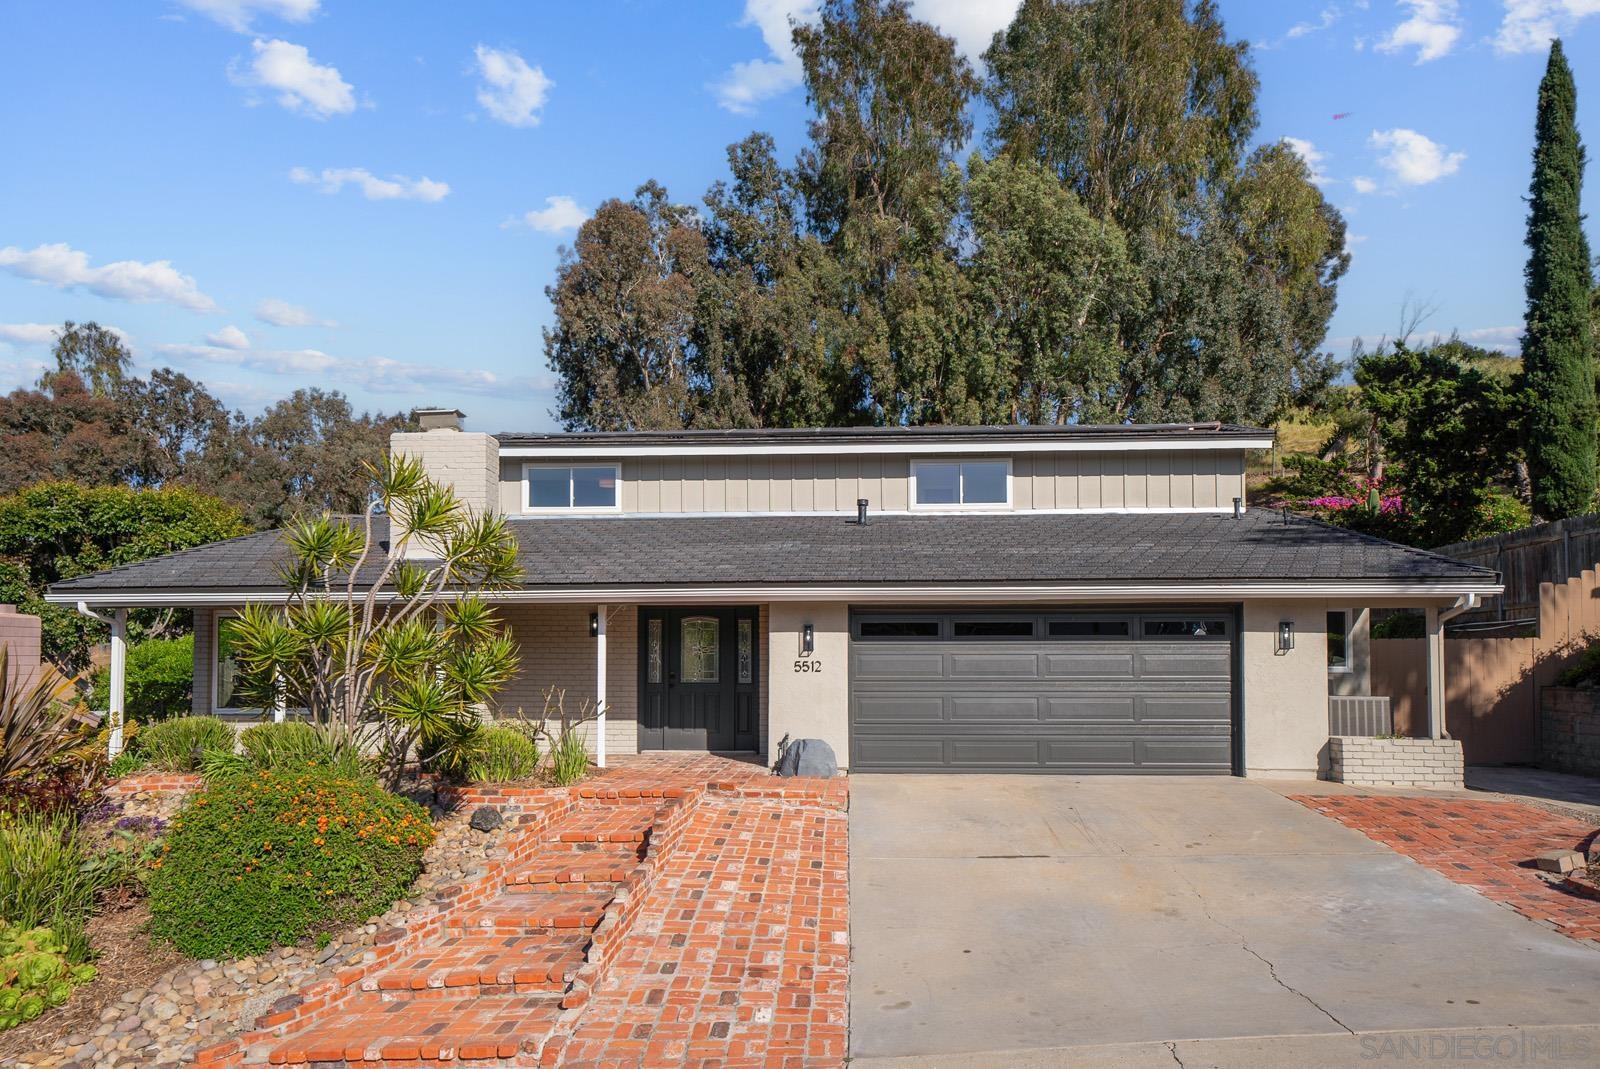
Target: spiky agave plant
[(39, 722)]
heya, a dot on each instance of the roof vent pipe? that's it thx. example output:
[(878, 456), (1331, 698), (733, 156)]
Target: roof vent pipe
[(1238, 507), (861, 511)]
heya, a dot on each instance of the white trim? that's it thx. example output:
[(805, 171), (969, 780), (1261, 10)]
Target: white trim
[(912, 487), (930, 510), (902, 446), (880, 593), (569, 509), (1349, 644)]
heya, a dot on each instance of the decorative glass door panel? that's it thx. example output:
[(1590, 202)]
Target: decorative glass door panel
[(698, 678), (699, 647)]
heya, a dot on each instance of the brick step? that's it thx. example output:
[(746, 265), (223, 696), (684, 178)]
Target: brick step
[(606, 824), (488, 963), (525, 911), (590, 863), (372, 1033)]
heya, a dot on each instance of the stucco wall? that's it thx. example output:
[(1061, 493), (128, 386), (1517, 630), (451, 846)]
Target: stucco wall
[(1285, 694), (809, 704), (1359, 679), (1089, 480)]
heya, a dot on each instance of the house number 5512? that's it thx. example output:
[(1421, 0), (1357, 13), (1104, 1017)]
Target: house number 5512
[(808, 666)]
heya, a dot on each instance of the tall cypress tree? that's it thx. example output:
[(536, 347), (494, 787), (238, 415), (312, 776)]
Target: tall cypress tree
[(1557, 348)]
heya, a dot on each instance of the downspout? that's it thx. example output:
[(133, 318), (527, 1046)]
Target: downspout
[(1436, 619), (118, 623)]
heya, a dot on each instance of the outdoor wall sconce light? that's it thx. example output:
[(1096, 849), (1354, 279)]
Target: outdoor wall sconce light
[(1285, 636), (808, 639), (594, 625)]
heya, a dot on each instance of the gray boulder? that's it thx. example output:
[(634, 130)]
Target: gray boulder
[(486, 818), (807, 757)]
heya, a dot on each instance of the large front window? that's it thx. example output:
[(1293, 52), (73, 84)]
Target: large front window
[(1338, 641), (962, 483), (572, 488), (226, 681)]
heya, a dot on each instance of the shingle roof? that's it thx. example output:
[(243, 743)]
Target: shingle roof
[(1120, 432), (831, 549)]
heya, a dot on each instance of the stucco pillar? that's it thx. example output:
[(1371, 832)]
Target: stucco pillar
[(119, 679), (600, 686), (1435, 643)]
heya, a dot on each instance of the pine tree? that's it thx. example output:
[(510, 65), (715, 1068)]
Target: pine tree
[(1557, 347)]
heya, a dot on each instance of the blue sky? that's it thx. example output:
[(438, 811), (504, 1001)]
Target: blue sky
[(370, 197)]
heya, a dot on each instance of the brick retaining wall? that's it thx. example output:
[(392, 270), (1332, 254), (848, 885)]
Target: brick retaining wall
[(1569, 730), (1368, 762)]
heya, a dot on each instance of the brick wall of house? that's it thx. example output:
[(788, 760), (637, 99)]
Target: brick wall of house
[(1569, 730), (1367, 762), (20, 635), (467, 461)]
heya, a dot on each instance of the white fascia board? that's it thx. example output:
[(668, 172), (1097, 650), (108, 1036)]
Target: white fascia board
[(945, 448), (873, 593)]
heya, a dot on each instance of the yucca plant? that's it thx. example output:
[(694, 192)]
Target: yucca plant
[(39, 722), (386, 635)]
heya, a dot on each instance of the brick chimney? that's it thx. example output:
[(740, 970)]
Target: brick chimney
[(467, 461)]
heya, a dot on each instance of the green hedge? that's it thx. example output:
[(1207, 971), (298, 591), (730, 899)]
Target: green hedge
[(160, 681), (270, 858)]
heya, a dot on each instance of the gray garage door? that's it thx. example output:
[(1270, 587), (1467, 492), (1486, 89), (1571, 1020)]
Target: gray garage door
[(1069, 692)]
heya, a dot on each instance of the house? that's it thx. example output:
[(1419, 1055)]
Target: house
[(1022, 599)]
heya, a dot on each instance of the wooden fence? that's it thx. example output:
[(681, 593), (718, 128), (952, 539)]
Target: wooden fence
[(1497, 658)]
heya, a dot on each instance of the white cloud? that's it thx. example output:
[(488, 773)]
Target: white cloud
[(283, 314), (28, 333), (229, 337), (1324, 21), (1314, 158), (1529, 25), (303, 85), (62, 266), (1355, 239), (972, 24), (559, 214), (511, 91), (1363, 184), (1413, 159), (238, 14), (1433, 29), (1506, 339), (378, 374), (395, 187)]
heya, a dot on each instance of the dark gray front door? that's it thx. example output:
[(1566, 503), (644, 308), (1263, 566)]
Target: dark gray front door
[(698, 678), (1033, 691)]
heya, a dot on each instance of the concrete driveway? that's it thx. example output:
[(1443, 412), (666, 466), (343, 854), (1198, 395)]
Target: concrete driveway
[(1147, 921)]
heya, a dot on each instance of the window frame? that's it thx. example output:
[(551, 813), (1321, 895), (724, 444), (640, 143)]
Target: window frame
[(962, 506), (1349, 660), (217, 709), (529, 509), (1226, 634)]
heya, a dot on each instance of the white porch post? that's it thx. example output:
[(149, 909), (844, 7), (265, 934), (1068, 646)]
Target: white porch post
[(600, 687), (1435, 640), (119, 678)]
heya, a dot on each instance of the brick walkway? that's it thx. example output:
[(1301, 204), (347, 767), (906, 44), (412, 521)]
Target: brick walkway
[(741, 957), (674, 910), (1486, 845)]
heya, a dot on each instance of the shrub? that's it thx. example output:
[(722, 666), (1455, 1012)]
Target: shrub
[(296, 744), (160, 680), (501, 755), (569, 759), (44, 881), (179, 745), (1585, 671), (273, 857), (1401, 623), (36, 973)]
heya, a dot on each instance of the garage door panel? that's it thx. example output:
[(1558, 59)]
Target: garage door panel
[(1088, 707), (1207, 662), (1016, 709), (1098, 664), (904, 752), (1066, 703), (1185, 752), (992, 666), (992, 752), (901, 709), (1215, 709), (873, 663)]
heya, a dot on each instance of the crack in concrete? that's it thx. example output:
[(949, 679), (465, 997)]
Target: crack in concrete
[(1172, 1049), (1244, 945)]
